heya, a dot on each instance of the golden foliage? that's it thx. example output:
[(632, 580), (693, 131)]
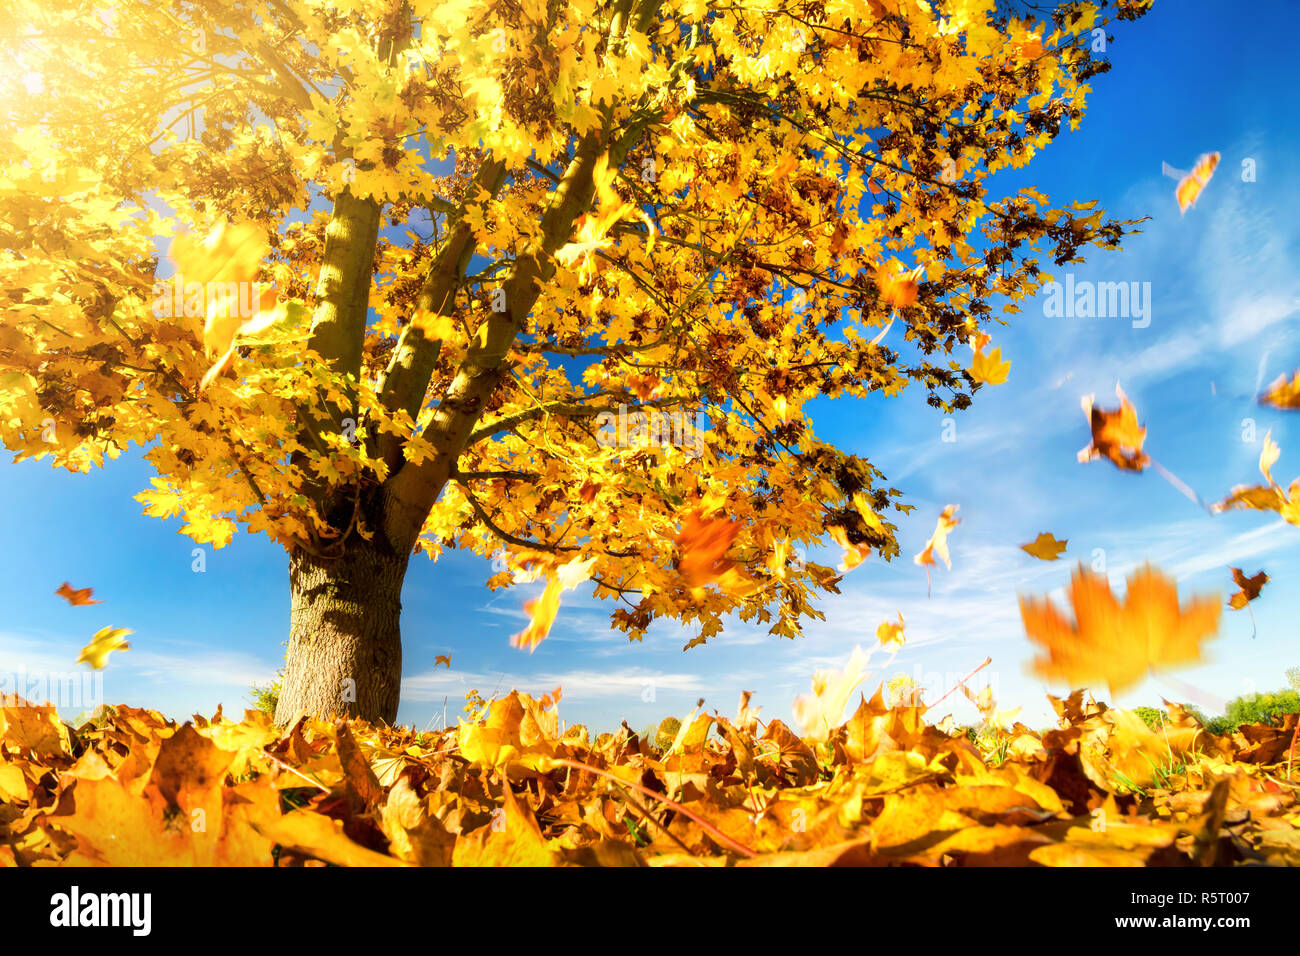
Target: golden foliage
[(882, 787)]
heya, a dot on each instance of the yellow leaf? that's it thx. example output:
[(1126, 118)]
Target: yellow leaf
[(1045, 547), (105, 641)]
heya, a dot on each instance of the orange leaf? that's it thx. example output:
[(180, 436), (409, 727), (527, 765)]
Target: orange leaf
[(1190, 186), (1283, 394), (938, 543), (1116, 434), (1118, 642), (1045, 547), (1250, 588), (77, 597), (897, 290)]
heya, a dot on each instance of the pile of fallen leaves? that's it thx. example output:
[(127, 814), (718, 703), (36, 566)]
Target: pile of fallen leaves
[(508, 787)]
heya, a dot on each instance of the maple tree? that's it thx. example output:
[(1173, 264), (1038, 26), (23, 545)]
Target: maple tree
[(421, 247)]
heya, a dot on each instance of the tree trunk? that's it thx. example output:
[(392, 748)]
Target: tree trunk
[(345, 645)]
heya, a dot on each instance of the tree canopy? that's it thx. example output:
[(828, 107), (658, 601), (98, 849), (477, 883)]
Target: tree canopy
[(482, 237)]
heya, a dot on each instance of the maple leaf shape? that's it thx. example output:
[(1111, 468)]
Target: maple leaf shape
[(1045, 547), (105, 641), (1115, 642), (77, 597), (1250, 588), (938, 543), (1269, 497), (1283, 394), (889, 633), (1190, 186), (988, 368), (1116, 434)]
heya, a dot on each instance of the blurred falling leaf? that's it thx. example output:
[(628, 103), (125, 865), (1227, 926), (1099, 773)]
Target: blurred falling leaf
[(898, 289), (1283, 394), (824, 710), (106, 641), (891, 633), (854, 554), (702, 544), (938, 543), (543, 609), (1114, 642), (226, 259), (1190, 186), (444, 660), (77, 597)]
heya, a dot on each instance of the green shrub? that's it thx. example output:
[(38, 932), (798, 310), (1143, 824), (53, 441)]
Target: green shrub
[(265, 697), (1153, 717), (1262, 708)]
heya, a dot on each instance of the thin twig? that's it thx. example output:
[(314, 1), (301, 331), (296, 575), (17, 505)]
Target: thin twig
[(960, 683)]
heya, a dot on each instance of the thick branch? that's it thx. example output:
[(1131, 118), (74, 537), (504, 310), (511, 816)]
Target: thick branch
[(415, 487), (404, 382)]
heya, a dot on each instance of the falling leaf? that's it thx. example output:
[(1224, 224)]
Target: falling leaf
[(784, 167), (436, 327), (1029, 48), (988, 368), (77, 597), (543, 609), (897, 289), (1269, 497), (702, 544), (938, 543), (1116, 434), (824, 710), (443, 659), (1045, 547), (1190, 186), (227, 259), (854, 554), (1113, 641), (1250, 588), (889, 633), (1283, 394), (105, 641)]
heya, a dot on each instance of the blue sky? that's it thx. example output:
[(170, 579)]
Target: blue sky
[(1225, 296)]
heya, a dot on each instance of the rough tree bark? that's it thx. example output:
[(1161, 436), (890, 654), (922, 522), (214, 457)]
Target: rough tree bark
[(345, 644)]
